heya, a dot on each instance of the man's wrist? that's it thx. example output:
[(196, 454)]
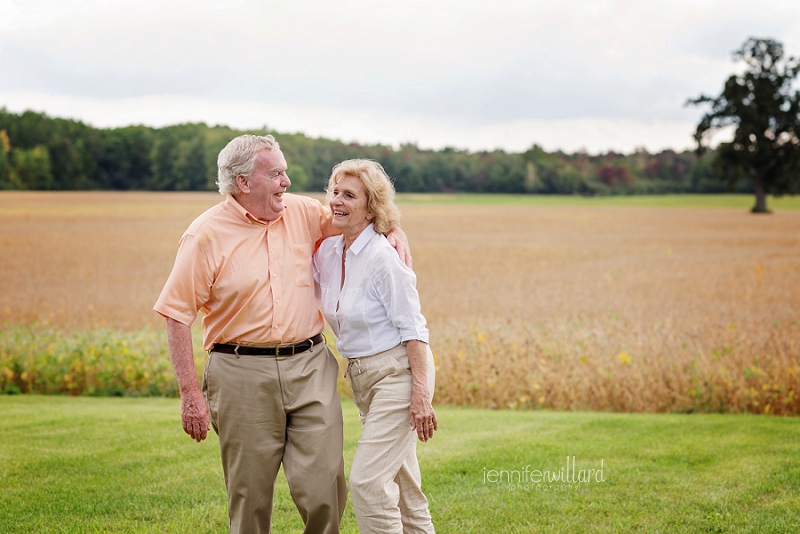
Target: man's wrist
[(419, 388), (188, 387)]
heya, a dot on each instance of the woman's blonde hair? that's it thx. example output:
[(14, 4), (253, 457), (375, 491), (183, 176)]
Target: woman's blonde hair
[(380, 190)]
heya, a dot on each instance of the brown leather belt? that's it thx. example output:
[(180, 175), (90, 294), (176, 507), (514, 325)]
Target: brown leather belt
[(275, 350)]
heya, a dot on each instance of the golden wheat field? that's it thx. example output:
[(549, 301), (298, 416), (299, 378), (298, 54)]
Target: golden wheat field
[(529, 306)]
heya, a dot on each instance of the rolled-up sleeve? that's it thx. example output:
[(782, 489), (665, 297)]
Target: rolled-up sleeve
[(395, 285)]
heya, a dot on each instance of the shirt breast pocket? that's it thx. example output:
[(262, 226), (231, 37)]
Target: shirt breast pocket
[(301, 265)]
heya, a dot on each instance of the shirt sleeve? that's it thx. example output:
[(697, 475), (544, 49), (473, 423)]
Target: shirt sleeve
[(188, 287), (315, 259), (326, 223), (395, 286)]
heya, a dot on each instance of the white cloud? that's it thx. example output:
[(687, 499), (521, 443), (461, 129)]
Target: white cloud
[(438, 67)]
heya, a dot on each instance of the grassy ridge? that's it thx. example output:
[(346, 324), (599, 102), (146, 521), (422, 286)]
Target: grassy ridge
[(640, 201), (105, 362), (101, 363), (124, 465)]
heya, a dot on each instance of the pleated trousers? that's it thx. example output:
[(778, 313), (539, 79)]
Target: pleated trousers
[(273, 410)]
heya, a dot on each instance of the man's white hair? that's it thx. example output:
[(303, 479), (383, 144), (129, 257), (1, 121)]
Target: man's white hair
[(239, 157)]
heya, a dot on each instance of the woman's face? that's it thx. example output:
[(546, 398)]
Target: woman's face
[(349, 206)]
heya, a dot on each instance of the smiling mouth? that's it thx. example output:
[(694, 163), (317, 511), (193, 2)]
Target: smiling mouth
[(339, 213)]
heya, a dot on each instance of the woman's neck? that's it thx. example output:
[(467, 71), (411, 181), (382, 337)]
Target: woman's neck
[(350, 237)]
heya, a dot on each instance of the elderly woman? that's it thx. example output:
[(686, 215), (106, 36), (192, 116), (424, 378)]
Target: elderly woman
[(369, 298)]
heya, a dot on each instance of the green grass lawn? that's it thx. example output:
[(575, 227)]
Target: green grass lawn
[(739, 201), (82, 464)]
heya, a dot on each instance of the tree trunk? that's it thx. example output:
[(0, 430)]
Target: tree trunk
[(761, 194)]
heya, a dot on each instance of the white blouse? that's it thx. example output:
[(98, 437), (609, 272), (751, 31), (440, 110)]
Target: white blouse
[(378, 306)]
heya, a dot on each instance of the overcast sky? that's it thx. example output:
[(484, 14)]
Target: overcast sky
[(582, 74)]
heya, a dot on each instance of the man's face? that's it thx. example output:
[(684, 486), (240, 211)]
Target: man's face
[(265, 187)]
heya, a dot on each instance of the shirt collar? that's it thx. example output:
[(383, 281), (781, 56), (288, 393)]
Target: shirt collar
[(245, 215), (361, 241)]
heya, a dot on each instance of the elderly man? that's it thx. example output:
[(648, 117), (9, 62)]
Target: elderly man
[(270, 381)]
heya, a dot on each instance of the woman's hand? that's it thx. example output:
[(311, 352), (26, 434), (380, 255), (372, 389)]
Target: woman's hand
[(423, 418)]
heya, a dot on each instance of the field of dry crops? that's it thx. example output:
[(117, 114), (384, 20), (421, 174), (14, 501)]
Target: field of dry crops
[(563, 307)]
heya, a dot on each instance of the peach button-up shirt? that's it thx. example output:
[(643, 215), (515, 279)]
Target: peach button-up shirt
[(252, 280)]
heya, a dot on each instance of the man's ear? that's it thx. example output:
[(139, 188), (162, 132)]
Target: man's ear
[(242, 183)]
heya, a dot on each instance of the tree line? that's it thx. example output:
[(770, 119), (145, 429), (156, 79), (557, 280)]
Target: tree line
[(38, 152)]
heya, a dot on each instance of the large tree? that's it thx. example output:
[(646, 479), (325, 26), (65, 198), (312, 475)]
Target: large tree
[(765, 112)]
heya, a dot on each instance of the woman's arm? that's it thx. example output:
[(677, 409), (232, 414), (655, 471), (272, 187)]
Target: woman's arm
[(423, 418)]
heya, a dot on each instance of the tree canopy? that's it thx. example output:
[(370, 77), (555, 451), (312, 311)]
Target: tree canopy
[(40, 152), (765, 111)]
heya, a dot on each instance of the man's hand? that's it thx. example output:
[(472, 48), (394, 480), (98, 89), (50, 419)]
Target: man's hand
[(397, 238), (194, 409), (194, 415)]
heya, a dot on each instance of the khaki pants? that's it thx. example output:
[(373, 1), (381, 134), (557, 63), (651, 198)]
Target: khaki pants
[(273, 409), (385, 480)]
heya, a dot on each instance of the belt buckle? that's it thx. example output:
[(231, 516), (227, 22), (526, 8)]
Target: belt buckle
[(236, 350)]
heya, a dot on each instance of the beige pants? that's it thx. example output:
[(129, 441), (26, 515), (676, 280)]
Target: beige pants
[(385, 480), (269, 410)]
